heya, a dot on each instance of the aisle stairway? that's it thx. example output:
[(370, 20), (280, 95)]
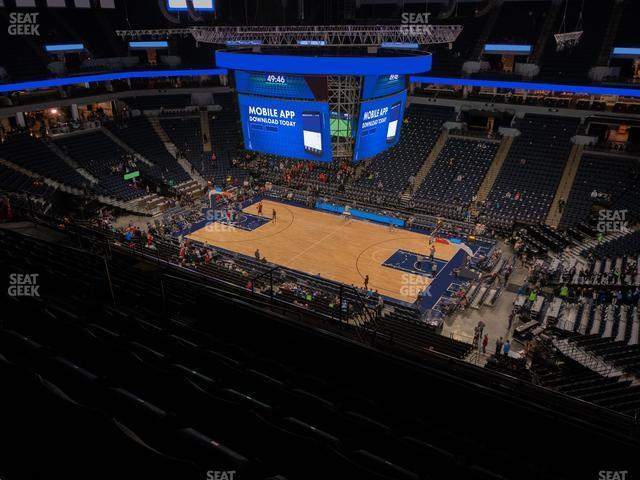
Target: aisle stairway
[(173, 150), (566, 184), (69, 161), (125, 147), (204, 128), (494, 169), (431, 158)]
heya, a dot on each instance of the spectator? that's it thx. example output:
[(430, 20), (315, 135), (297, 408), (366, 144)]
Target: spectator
[(506, 348), (564, 292)]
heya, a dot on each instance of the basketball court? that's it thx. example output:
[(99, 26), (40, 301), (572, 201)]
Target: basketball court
[(339, 249)]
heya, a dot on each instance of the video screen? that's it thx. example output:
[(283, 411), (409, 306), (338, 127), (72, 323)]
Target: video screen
[(280, 85), (296, 129), (379, 125), (341, 125)]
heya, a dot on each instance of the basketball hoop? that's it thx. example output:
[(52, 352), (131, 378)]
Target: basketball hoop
[(567, 40)]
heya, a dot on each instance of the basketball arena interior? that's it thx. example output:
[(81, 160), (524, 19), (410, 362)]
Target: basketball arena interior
[(320, 239)]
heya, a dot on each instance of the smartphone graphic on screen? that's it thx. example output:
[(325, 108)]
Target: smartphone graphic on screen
[(394, 118), (312, 132)]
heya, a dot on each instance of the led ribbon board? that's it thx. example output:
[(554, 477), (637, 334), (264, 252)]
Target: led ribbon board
[(504, 48), (409, 46), (103, 77), (276, 85), (551, 87), (382, 85), (149, 44), (66, 47), (199, 5), (626, 52), (319, 65)]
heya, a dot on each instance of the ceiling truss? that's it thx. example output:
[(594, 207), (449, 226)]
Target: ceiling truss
[(329, 35)]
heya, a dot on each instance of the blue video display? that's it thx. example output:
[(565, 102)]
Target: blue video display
[(296, 129), (379, 125), (280, 85), (382, 85)]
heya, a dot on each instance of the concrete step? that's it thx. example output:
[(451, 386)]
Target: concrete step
[(125, 147), (205, 132), (494, 169), (430, 160), (565, 186), (173, 151), (70, 161)]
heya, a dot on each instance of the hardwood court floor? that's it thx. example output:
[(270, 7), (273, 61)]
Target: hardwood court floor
[(322, 243)]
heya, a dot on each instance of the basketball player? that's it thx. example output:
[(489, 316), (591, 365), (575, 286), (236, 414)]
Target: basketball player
[(260, 208), (346, 213), (273, 216)]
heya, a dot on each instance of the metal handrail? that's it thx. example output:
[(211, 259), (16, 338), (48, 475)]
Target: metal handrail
[(585, 358), (355, 314)]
